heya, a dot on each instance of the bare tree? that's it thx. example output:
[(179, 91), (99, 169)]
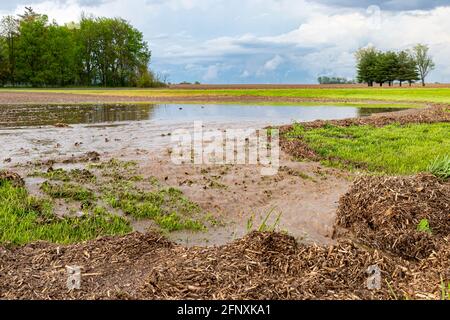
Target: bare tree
[(424, 61)]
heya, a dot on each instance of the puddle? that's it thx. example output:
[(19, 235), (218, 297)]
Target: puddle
[(27, 133), (35, 115)]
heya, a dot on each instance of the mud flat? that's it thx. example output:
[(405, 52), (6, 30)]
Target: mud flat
[(303, 195)]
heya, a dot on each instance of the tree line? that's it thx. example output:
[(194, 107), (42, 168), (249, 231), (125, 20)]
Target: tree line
[(374, 66), (95, 51), (334, 80)]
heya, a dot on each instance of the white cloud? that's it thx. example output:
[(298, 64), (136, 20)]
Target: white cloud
[(273, 63)]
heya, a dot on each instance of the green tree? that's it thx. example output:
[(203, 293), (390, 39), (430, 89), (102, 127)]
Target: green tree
[(386, 67), (4, 65), (31, 48), (9, 30), (407, 68), (60, 56), (112, 52), (95, 51), (424, 61), (86, 42), (380, 68), (366, 65)]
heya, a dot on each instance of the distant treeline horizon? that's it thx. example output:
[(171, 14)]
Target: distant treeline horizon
[(106, 52), (334, 80)]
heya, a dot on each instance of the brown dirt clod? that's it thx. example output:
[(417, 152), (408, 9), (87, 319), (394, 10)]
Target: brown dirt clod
[(15, 179)]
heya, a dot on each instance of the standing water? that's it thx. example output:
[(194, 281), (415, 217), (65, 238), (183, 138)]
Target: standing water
[(29, 132)]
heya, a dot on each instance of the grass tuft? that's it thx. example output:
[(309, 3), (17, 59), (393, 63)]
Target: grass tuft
[(440, 167)]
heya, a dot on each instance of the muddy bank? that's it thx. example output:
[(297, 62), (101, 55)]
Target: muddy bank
[(300, 149), (305, 195)]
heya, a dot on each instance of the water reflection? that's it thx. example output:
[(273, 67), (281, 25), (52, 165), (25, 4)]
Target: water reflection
[(36, 115)]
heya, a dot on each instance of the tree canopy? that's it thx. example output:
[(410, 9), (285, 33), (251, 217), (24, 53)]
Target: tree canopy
[(95, 51), (374, 66)]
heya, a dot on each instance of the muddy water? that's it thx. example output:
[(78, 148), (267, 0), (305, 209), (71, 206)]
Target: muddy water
[(142, 132), (28, 132), (26, 116)]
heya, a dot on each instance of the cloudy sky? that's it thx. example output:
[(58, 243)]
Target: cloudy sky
[(267, 41)]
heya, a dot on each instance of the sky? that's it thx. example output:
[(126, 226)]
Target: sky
[(266, 41)]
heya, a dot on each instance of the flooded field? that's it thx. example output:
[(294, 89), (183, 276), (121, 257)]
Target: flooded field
[(38, 132), (60, 137), (35, 115), (96, 171)]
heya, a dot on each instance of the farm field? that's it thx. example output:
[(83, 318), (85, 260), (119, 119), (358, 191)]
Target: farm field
[(346, 94)]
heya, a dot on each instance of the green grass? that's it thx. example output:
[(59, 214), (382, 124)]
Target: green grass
[(118, 187), (25, 219), (167, 207), (440, 167), (66, 176), (67, 191), (440, 95), (392, 149)]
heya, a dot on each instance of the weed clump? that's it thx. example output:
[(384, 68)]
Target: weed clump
[(167, 207)]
